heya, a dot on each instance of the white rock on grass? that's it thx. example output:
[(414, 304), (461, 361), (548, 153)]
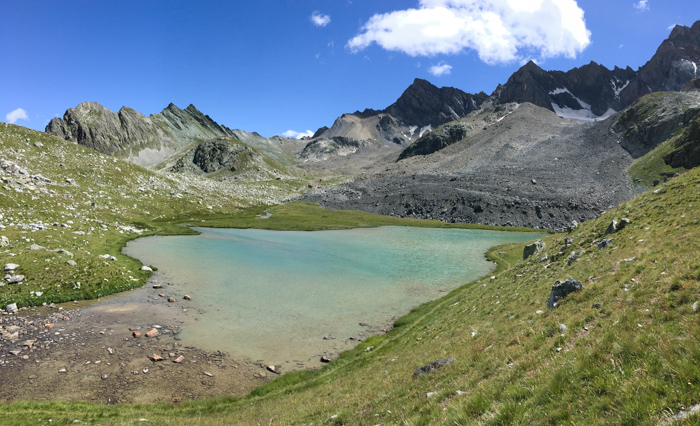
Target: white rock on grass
[(10, 267)]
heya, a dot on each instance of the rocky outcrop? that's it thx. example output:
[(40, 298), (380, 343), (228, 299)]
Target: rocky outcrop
[(96, 127), (438, 139), (533, 248), (323, 149), (687, 147), (216, 155), (456, 131), (562, 289), (654, 119)]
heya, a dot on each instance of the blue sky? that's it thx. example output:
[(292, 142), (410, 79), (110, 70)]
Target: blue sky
[(274, 66)]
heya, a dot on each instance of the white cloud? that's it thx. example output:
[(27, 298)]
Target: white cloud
[(671, 27), (440, 69), (319, 19), (15, 115), (297, 135), (497, 29), (642, 5)]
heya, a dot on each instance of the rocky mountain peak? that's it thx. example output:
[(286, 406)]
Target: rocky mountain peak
[(423, 104), (676, 62)]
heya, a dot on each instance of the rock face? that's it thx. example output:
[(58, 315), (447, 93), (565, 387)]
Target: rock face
[(654, 119), (593, 92), (562, 289), (437, 140), (423, 104), (675, 63), (687, 147), (323, 149), (216, 155), (129, 133), (586, 93)]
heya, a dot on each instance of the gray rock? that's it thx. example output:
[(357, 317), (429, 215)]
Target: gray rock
[(611, 228), (66, 252), (562, 289), (533, 248), (544, 258), (563, 328), (433, 366), (12, 307), (696, 306), (4, 241), (72, 263), (605, 243), (574, 257), (572, 226), (623, 224), (568, 242), (10, 267), (14, 279), (36, 247), (70, 181), (146, 268)]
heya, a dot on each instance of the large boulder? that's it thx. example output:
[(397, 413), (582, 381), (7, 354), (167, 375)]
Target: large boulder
[(562, 289), (533, 248)]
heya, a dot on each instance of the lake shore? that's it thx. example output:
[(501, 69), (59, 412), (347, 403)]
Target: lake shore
[(89, 351)]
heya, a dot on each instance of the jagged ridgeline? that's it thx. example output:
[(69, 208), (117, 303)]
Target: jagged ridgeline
[(171, 140), (545, 148)]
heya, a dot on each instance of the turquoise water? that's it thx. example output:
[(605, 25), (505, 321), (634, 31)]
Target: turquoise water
[(274, 295)]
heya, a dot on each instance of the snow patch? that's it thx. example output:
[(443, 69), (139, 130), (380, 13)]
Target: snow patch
[(565, 90), (614, 84), (584, 115), (425, 130), (412, 129), (695, 67), (559, 91)]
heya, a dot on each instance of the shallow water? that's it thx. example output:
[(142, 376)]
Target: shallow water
[(274, 295)]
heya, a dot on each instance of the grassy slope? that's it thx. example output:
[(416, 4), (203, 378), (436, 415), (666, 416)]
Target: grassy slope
[(629, 356), (110, 197)]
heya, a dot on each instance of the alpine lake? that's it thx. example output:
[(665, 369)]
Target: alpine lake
[(289, 297)]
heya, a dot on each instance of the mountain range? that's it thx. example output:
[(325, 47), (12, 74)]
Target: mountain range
[(544, 149)]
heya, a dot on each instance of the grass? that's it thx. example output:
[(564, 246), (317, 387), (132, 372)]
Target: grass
[(630, 353), (651, 168), (303, 216)]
